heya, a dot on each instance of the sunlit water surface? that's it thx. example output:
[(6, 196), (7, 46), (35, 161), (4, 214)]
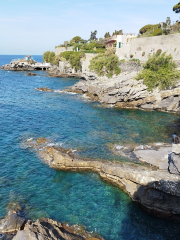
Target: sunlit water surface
[(73, 122)]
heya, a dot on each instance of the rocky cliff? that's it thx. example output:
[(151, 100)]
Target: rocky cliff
[(124, 91)]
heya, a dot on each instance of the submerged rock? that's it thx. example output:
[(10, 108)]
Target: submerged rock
[(155, 189), (44, 89), (41, 140), (31, 74)]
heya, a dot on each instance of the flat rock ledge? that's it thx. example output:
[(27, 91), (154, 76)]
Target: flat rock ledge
[(155, 189), (124, 91)]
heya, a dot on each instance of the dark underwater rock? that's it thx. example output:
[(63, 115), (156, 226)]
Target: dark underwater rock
[(31, 74)]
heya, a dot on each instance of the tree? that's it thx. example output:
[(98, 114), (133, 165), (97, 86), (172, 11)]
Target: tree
[(93, 36), (77, 39), (51, 57), (120, 32), (176, 8), (46, 56), (159, 71), (107, 35)]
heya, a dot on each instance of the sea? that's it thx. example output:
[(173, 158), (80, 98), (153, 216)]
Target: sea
[(72, 121)]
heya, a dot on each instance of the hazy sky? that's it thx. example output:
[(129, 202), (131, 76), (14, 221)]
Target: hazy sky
[(35, 26)]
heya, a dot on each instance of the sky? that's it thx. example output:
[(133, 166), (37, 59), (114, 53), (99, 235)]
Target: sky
[(35, 26)]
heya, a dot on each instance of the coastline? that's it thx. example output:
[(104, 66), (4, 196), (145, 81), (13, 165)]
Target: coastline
[(147, 183)]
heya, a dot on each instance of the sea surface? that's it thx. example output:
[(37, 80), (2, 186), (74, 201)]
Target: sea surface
[(72, 121)]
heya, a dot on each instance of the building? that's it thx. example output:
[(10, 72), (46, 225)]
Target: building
[(28, 57), (111, 41), (128, 46)]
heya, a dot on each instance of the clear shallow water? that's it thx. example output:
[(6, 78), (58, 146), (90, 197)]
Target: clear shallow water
[(74, 122)]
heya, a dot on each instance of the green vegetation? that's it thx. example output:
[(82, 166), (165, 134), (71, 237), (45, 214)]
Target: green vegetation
[(148, 28), (74, 59), (120, 32), (105, 64), (159, 71), (135, 60), (157, 32), (107, 35), (176, 8), (49, 57), (93, 36)]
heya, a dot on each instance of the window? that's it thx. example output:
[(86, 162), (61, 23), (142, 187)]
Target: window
[(120, 45)]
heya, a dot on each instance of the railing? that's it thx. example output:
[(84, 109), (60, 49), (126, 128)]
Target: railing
[(110, 39)]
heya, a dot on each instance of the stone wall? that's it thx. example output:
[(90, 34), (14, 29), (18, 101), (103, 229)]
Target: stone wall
[(59, 50), (85, 63), (138, 47)]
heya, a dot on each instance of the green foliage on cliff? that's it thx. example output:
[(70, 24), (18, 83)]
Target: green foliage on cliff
[(148, 28), (49, 57), (157, 32), (176, 8), (105, 64), (159, 71), (74, 59)]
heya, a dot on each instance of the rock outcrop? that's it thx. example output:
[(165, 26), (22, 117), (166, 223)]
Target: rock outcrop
[(18, 66), (56, 72), (31, 74), (48, 229), (44, 89), (153, 187), (14, 226), (12, 222), (124, 91)]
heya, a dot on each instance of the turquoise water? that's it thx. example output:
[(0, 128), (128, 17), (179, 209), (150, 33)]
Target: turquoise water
[(73, 122)]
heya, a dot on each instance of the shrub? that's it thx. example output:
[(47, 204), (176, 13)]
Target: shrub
[(148, 27), (49, 57), (159, 71), (135, 60), (74, 58), (159, 51), (131, 56), (157, 32), (105, 64), (143, 54)]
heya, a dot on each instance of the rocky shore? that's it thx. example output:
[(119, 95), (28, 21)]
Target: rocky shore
[(149, 183), (18, 66), (54, 71), (14, 226), (124, 91)]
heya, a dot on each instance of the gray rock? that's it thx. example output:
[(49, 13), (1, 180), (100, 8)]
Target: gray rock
[(21, 235), (12, 222), (149, 184)]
